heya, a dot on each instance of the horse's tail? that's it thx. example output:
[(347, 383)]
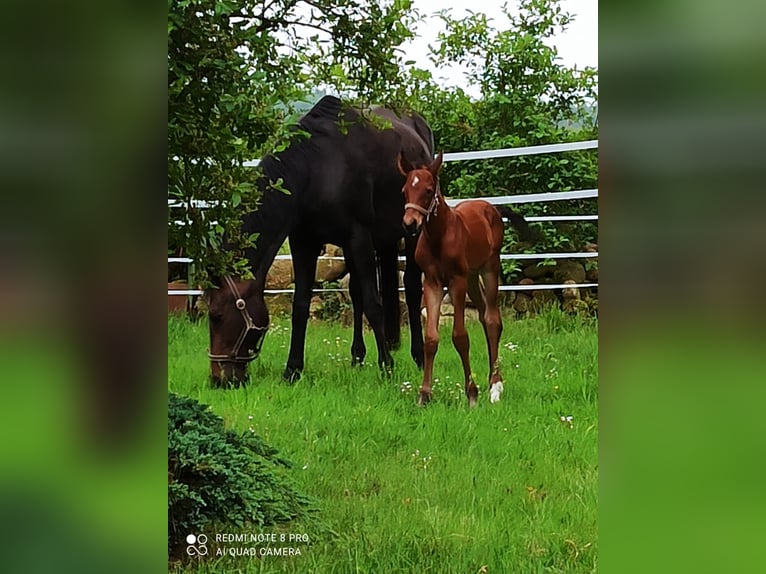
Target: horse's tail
[(517, 222)]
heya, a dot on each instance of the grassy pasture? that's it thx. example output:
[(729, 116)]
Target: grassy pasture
[(504, 488)]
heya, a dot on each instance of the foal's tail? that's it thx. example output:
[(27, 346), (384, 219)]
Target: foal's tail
[(518, 222)]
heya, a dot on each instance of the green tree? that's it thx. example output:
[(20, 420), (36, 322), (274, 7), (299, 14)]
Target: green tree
[(527, 97), (235, 70)]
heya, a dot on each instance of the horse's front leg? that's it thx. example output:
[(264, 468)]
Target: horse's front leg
[(433, 293), (457, 290), (358, 348), (305, 253), (413, 292), (494, 327)]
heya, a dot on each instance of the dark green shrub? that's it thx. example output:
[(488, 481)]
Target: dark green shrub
[(217, 476)]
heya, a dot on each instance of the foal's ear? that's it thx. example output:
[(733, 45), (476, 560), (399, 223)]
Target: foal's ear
[(403, 165), (436, 164)]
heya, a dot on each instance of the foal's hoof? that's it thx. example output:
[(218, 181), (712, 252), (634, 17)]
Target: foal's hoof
[(423, 399), (495, 391), (291, 375), (472, 402), (357, 361)]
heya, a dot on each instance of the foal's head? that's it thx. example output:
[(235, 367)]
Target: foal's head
[(421, 192)]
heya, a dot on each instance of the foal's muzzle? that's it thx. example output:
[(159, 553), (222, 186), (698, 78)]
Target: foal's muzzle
[(412, 228)]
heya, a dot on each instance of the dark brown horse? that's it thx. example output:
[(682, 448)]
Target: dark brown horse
[(459, 249), (344, 188)]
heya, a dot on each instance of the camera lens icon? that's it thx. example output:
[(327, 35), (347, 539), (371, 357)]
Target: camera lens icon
[(197, 545)]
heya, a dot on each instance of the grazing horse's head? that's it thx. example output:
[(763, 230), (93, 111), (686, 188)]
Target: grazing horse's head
[(238, 320), (421, 192)]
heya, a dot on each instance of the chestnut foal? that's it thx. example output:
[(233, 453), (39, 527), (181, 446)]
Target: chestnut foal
[(459, 249)]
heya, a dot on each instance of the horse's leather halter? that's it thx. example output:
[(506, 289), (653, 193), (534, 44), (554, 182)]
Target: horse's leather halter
[(431, 208), (234, 357)]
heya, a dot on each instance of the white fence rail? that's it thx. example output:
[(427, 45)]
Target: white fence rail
[(498, 200)]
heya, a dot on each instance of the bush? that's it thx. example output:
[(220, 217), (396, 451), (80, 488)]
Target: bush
[(217, 476)]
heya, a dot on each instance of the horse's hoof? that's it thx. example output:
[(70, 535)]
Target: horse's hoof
[(394, 344), (291, 375), (357, 361), (495, 391), (472, 402), (423, 399), (387, 368)]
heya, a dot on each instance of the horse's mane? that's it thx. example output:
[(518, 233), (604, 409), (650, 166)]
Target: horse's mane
[(325, 111)]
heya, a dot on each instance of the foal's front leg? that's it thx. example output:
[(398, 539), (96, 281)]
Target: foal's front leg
[(457, 290), (433, 292)]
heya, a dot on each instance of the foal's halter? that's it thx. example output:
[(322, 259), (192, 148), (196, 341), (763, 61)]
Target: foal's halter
[(431, 208), (234, 357)]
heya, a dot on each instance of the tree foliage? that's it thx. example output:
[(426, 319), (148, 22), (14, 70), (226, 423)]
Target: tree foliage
[(527, 97), (238, 68), (235, 70)]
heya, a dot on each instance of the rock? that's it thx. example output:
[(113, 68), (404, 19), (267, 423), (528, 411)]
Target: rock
[(536, 271), (506, 298), (315, 307), (280, 275), (570, 292), (279, 304), (344, 284), (591, 248), (542, 298), (569, 270), (576, 306), (330, 269), (522, 302), (591, 274)]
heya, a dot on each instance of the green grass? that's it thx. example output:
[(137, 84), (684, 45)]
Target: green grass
[(507, 487)]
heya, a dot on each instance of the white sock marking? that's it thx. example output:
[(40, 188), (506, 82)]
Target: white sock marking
[(495, 391)]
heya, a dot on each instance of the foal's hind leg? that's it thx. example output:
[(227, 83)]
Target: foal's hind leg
[(457, 290), (494, 328)]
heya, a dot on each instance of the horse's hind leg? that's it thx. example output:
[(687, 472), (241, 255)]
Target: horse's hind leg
[(476, 292), (494, 328), (389, 290), (457, 290), (362, 256)]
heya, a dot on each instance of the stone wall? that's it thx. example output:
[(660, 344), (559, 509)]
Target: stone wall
[(521, 303)]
